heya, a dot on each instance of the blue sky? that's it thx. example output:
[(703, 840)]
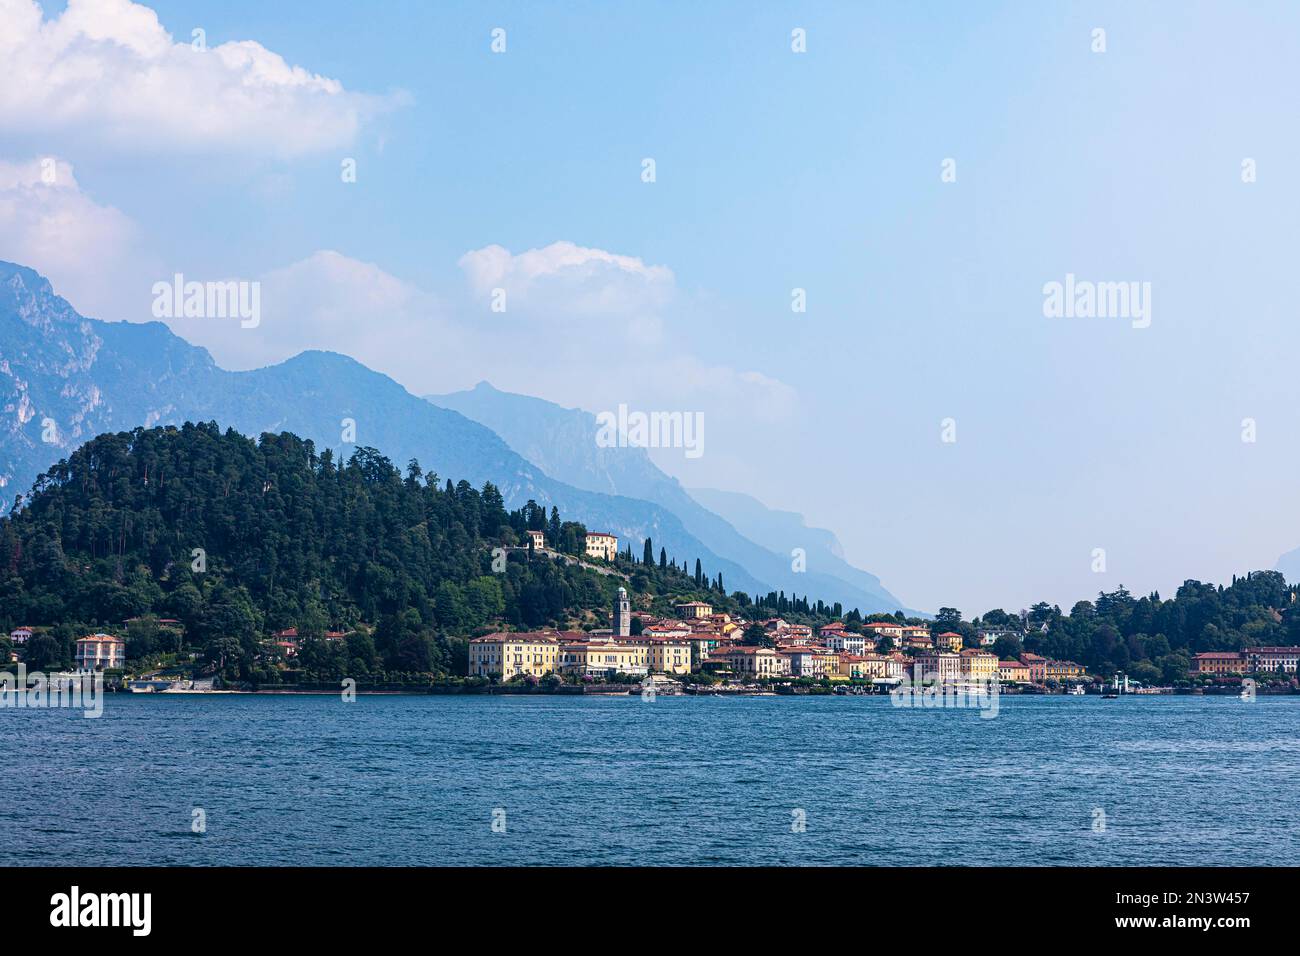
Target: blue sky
[(775, 170)]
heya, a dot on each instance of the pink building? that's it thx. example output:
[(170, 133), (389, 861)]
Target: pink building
[(99, 652)]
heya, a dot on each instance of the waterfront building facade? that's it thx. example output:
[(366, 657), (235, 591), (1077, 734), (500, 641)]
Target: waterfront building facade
[(505, 655), (751, 661), (1272, 660), (1217, 663), (1060, 671), (605, 658), (1013, 672), (1037, 667), (97, 652), (979, 666), (942, 667)]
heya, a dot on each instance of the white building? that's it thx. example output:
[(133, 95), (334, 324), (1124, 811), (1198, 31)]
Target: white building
[(1272, 659), (849, 642)]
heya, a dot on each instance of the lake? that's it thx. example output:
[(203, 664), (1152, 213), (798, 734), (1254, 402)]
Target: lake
[(680, 780)]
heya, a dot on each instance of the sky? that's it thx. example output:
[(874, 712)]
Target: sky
[(922, 171)]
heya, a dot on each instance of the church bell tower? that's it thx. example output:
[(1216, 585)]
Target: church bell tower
[(621, 626)]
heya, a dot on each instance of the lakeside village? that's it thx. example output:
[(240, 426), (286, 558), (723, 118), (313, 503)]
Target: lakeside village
[(695, 650), (703, 652)]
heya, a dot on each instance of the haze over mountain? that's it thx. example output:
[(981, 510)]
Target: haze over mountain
[(562, 442), (1289, 565), (781, 531), (65, 378)]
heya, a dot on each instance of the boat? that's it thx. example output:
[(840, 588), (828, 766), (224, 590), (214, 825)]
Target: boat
[(154, 686), (1109, 695), (1076, 690)]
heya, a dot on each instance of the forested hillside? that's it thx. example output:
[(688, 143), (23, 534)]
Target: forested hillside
[(238, 538)]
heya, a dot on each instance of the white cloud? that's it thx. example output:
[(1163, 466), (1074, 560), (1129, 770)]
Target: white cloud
[(593, 329), (494, 265), (46, 222), (108, 70), (333, 302), (566, 281)]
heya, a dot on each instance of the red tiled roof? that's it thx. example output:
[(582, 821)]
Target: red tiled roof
[(530, 637)]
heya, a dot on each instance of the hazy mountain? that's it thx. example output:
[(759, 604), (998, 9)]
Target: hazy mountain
[(780, 531), (562, 443), (85, 377), (1289, 565)]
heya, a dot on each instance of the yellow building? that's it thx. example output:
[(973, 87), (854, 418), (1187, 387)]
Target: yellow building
[(1013, 672), (601, 545), (869, 666), (979, 666), (752, 661), (1219, 662), (668, 655), (917, 632), (1063, 670), (879, 629), (692, 609), (949, 641), (505, 655), (604, 658)]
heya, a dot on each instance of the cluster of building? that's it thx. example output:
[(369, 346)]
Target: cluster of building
[(94, 652), (597, 544), (287, 642), (698, 639), (662, 647), (1253, 660), (99, 651)]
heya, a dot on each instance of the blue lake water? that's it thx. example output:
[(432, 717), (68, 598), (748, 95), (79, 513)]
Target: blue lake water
[(598, 780)]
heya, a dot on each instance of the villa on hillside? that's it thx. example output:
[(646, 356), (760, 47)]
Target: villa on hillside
[(601, 545), (98, 652), (690, 609)]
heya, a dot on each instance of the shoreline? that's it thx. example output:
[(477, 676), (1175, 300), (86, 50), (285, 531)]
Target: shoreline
[(636, 690)]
